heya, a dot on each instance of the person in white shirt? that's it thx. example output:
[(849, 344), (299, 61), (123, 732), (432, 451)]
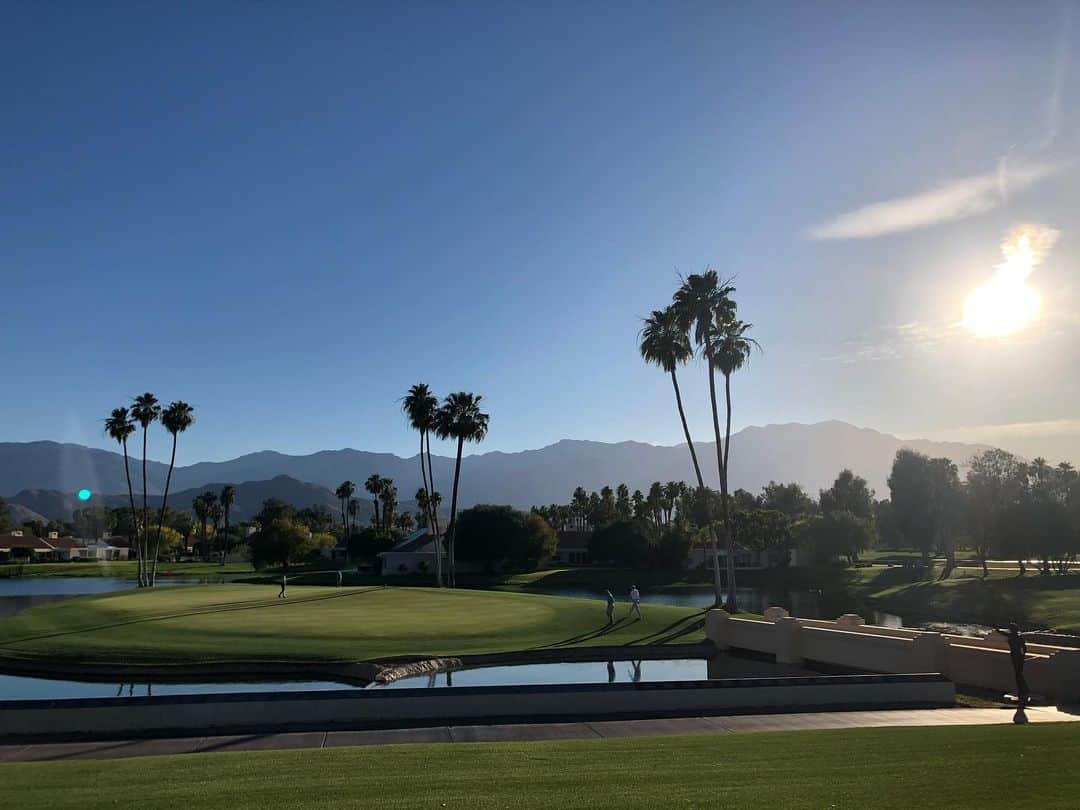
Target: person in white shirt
[(635, 601)]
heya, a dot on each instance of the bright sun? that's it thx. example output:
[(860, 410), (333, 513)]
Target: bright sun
[(1000, 307), (1006, 303)]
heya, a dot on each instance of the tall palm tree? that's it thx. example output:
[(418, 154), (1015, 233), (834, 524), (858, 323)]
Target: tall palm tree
[(704, 307), (459, 418), (200, 504), (344, 493), (227, 499), (732, 352), (422, 406), (665, 343), (176, 418), (353, 508), (374, 486), (216, 513), (145, 410), (118, 426), (388, 496)]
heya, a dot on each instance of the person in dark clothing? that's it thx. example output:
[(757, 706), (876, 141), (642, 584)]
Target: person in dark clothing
[(1017, 652)]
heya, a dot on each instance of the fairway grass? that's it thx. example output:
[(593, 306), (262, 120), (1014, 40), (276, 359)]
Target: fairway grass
[(200, 624), (956, 767)]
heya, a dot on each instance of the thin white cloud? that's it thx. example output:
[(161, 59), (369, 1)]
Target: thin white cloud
[(958, 199)]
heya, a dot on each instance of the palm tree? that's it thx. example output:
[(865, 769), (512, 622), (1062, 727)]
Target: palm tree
[(118, 426), (145, 410), (422, 406), (227, 498), (665, 343), (176, 418), (353, 508), (216, 513), (459, 418), (201, 506), (732, 352), (703, 306), (344, 493), (374, 486), (388, 496)]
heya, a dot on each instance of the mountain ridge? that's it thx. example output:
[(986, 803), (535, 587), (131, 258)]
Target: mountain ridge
[(811, 454)]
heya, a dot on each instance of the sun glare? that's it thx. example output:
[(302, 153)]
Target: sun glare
[(1007, 303)]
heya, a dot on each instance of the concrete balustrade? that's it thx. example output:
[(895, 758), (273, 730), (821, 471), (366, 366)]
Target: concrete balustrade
[(849, 642)]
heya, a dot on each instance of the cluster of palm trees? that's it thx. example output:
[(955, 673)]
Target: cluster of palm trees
[(458, 418), (214, 509), (384, 500), (120, 425), (702, 321)]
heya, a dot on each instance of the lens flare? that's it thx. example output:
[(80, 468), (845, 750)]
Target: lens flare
[(1006, 303), (84, 494)]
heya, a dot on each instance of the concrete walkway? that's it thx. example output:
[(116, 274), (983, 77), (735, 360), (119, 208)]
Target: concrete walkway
[(526, 732)]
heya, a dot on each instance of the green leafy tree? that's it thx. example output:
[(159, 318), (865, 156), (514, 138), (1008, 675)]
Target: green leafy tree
[(625, 543), (501, 536), (281, 543), (275, 509), (791, 499), (850, 493), (996, 481), (5, 517), (461, 419), (836, 534)]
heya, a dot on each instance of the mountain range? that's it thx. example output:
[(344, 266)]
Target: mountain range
[(809, 454)]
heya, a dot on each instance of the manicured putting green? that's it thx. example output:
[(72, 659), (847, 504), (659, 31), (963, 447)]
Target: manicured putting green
[(237, 622), (954, 767)]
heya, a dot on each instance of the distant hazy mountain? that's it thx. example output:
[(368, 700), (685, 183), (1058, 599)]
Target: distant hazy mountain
[(809, 454)]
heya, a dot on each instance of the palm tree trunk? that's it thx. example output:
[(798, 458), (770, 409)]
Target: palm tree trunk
[(720, 472), (161, 515), (452, 530), (427, 509), (344, 523), (134, 518), (434, 514), (146, 512), (375, 504), (225, 537), (731, 605)]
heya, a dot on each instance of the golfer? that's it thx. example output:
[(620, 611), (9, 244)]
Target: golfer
[(635, 601), (284, 579), (610, 607)]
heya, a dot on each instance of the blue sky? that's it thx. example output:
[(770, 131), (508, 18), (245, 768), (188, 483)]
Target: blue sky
[(288, 215)]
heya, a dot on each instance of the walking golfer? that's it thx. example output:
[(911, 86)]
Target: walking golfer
[(610, 607), (284, 579), (635, 601)]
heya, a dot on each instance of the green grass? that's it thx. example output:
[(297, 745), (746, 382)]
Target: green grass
[(122, 569), (986, 767), (234, 622), (1033, 600)]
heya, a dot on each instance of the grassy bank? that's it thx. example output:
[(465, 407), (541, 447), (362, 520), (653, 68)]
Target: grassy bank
[(123, 569), (986, 767), (1033, 600), (243, 622)]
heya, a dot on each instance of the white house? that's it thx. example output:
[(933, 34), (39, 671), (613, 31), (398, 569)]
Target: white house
[(413, 555)]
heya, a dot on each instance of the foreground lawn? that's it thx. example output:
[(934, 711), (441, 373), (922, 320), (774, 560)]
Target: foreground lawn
[(986, 767), (238, 622), (1032, 600)]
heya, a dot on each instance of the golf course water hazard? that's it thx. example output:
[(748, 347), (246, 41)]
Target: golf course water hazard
[(14, 687)]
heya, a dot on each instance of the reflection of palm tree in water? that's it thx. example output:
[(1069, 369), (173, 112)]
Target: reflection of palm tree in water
[(611, 672), (431, 679), (635, 672)]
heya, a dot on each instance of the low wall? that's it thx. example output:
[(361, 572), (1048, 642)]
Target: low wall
[(848, 642), (105, 718)]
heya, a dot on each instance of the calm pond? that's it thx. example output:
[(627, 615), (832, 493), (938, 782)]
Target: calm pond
[(21, 688)]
